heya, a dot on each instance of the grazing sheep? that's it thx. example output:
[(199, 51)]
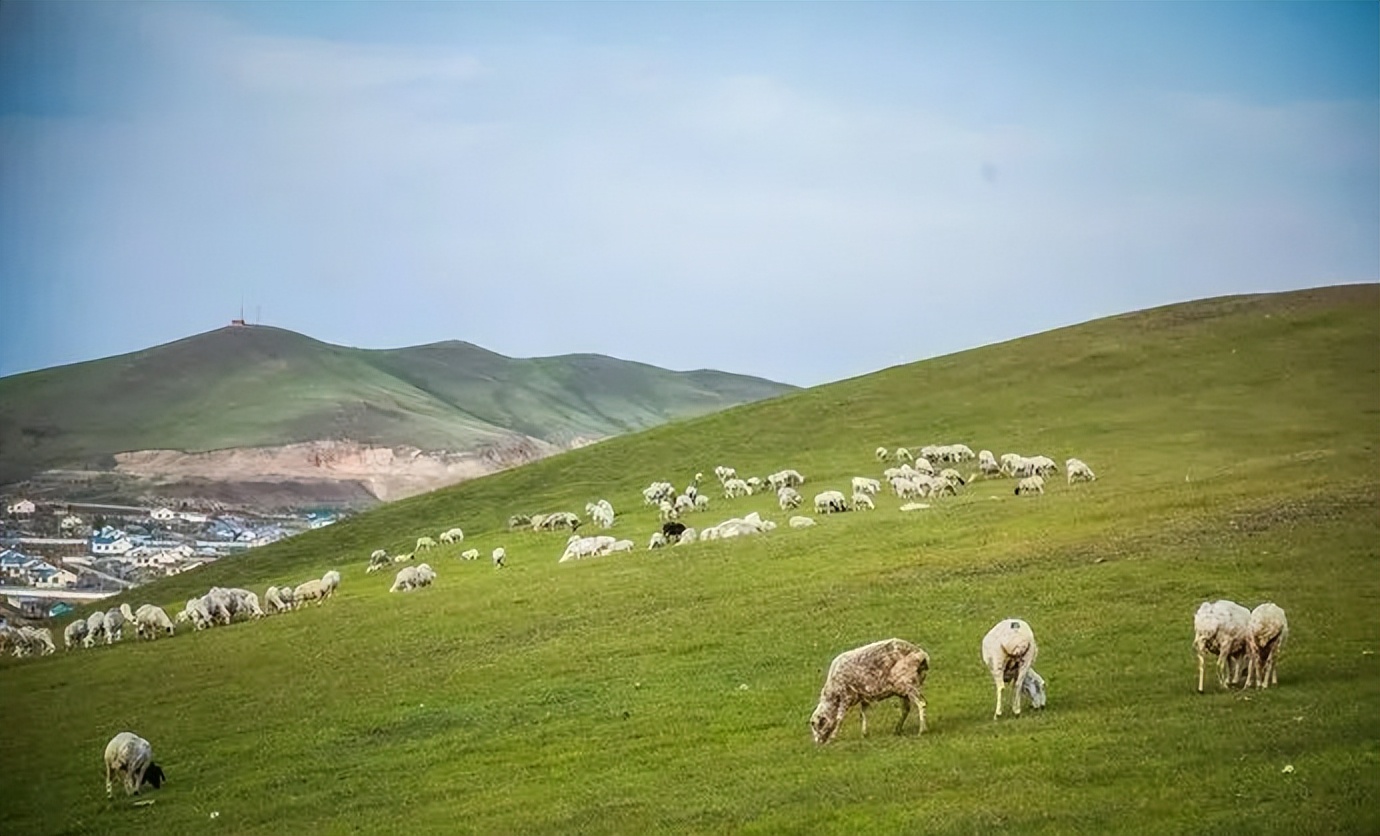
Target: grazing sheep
[(403, 558), (672, 530), (1269, 629), (378, 554), (469, 554), (1078, 471), (196, 612), (424, 543), (553, 522), (701, 502), (734, 488), (689, 535), (830, 502), (75, 632), (601, 512), (658, 492), (312, 590), (95, 629), (881, 453), (987, 463), (517, 521), (868, 674), (499, 555), (1030, 484), (862, 501), (277, 599), (331, 581), (150, 619), (578, 548), (378, 560), (114, 625), (35, 640), (454, 535), (622, 546), (1222, 628), (903, 455), (1009, 651), (801, 522), (723, 474), (862, 484), (407, 579), (788, 498), (914, 506), (130, 756), (657, 541)]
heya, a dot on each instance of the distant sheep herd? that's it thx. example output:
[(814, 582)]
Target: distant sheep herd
[(1244, 644)]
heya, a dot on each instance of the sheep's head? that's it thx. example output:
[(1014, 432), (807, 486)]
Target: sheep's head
[(1035, 689), (824, 722), (154, 776)]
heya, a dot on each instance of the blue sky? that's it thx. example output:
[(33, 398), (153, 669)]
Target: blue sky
[(800, 191)]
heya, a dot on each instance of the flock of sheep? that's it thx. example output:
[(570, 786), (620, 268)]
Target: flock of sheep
[(1246, 643)]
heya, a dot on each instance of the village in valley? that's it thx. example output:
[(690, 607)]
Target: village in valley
[(55, 555)]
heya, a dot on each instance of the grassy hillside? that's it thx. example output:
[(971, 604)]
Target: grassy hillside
[(1236, 446), (259, 386)]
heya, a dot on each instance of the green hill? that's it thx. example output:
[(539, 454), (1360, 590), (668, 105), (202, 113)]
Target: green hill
[(259, 386), (1235, 442)]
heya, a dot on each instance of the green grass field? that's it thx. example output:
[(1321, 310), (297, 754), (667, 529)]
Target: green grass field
[(1235, 442)]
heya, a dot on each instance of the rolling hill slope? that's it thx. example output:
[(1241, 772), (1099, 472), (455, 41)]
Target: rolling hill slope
[(261, 387), (1235, 442)]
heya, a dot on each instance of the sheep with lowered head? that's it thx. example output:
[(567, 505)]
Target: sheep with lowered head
[(131, 757), (1009, 652), (868, 674), (1222, 629), (1268, 631)]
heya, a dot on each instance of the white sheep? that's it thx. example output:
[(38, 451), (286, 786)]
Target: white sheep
[(785, 479), (868, 674), (701, 502), (801, 522), (37, 640), (689, 535), (903, 455), (987, 463), (114, 625), (1269, 629), (75, 632), (95, 629), (1078, 471), (881, 453), (723, 474), (406, 580), (424, 543), (403, 558), (1223, 629), (734, 488), (278, 599), (862, 484), (1009, 651), (196, 612), (469, 554), (622, 546), (657, 541), (150, 619), (499, 555), (378, 560), (131, 757), (331, 581), (312, 590), (830, 502), (1031, 484), (788, 498), (379, 555), (862, 501), (578, 547), (454, 535)]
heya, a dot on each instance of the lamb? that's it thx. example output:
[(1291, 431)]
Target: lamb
[(903, 455), (862, 484), (454, 535), (830, 502), (801, 522), (424, 543), (1031, 484), (95, 629), (403, 558), (862, 501), (379, 555), (868, 674), (499, 555), (788, 498), (75, 632), (881, 453), (469, 554), (657, 541), (149, 619), (1078, 471), (723, 474), (130, 756), (1222, 628), (378, 560), (1269, 629), (622, 546), (701, 502), (1009, 651)]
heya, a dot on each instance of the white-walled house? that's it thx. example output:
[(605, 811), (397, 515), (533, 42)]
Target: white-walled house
[(23, 506), (52, 577), (110, 541), (162, 514)]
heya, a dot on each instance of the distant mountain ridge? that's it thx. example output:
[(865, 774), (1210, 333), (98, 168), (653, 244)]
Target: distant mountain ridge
[(263, 387)]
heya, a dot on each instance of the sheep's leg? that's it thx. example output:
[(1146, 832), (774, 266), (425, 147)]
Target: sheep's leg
[(109, 783), (1000, 686), (1201, 666), (905, 712), (139, 778), (862, 711)]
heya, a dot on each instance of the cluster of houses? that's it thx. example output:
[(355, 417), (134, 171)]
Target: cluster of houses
[(131, 546)]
